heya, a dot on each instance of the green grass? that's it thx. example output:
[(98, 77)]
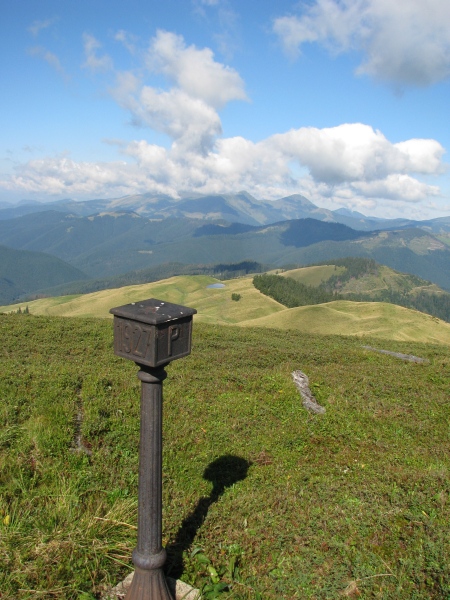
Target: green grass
[(213, 305), (355, 501)]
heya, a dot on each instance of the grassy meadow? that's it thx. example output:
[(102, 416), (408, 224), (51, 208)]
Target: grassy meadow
[(374, 319), (262, 500), (213, 304), (216, 306)]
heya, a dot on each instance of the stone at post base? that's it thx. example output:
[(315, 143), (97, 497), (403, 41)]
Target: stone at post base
[(178, 589)]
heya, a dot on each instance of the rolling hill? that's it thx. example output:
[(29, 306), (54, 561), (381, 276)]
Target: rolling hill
[(215, 306), (373, 319), (23, 272), (105, 239), (363, 279), (369, 278)]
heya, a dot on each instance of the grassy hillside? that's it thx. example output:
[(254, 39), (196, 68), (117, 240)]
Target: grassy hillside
[(22, 272), (258, 493), (213, 305), (370, 282), (365, 276), (376, 319), (444, 238), (360, 279), (157, 273), (216, 306)]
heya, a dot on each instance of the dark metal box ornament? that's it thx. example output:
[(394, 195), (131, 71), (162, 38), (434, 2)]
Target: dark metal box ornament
[(151, 333)]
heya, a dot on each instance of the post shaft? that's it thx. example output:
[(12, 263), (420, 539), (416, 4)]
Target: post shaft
[(149, 556)]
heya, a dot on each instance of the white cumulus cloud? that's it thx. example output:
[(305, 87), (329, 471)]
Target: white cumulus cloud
[(406, 42), (198, 87), (63, 177), (356, 152), (194, 70), (396, 187), (188, 121), (350, 164)]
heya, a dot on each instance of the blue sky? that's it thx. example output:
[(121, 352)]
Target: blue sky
[(343, 101)]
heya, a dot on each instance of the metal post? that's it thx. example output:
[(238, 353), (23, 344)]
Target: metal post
[(152, 333), (149, 556)]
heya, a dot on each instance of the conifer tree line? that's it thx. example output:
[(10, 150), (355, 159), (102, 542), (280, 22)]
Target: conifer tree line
[(291, 293)]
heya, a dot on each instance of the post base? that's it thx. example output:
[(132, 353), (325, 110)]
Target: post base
[(178, 589), (149, 585)]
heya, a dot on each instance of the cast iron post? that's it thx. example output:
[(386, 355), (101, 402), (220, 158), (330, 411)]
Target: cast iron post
[(151, 333)]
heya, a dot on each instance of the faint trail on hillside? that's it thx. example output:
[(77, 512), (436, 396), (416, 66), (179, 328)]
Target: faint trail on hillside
[(408, 357), (302, 384), (78, 443)]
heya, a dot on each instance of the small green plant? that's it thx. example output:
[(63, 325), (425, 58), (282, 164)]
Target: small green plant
[(221, 579), (236, 297)]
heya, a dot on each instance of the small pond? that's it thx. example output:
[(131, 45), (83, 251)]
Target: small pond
[(216, 285)]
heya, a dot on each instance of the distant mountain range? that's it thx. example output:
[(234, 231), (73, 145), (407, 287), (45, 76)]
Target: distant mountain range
[(233, 208), (106, 238)]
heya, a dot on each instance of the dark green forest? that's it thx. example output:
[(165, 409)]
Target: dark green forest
[(291, 293)]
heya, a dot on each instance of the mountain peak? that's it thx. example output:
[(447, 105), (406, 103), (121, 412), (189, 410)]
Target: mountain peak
[(350, 213), (298, 199)]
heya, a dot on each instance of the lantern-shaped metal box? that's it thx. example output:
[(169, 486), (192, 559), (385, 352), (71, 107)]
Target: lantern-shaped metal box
[(152, 332)]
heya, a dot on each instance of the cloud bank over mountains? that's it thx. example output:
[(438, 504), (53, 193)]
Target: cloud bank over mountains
[(402, 43)]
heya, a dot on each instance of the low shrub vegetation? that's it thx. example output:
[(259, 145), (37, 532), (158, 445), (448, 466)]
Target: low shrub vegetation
[(261, 498)]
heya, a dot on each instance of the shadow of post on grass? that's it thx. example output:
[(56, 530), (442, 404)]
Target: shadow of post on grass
[(222, 473)]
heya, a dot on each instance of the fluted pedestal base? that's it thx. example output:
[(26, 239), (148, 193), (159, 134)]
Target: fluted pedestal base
[(149, 585), (178, 589)]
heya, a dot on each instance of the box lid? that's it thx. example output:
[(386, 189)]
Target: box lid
[(152, 311)]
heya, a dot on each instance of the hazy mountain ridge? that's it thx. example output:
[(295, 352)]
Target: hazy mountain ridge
[(240, 207), (114, 243)]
